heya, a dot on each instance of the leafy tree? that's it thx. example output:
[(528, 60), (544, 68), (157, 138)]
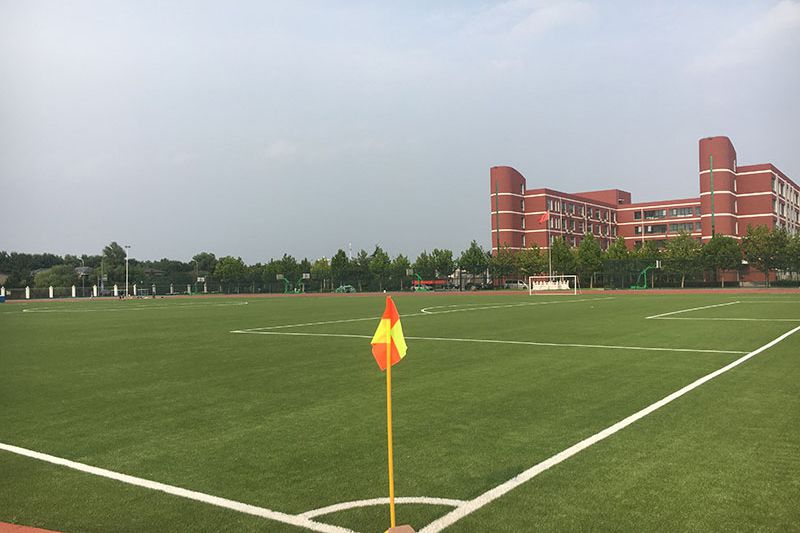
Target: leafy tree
[(683, 255), (57, 276), (361, 269), (231, 270), (443, 262), (531, 262), (562, 257), (399, 267), (722, 253), (765, 248), (321, 271), (205, 262), (473, 260), (340, 267), (793, 253), (379, 266), (290, 269), (589, 258), (617, 250), (424, 266), (502, 264)]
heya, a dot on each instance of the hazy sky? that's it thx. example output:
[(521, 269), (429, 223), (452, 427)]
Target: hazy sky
[(258, 128)]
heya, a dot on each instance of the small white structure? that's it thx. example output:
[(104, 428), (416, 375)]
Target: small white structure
[(73, 291), (94, 291), (135, 292), (116, 290), (27, 293), (153, 286), (171, 289), (50, 291), (205, 287), (188, 289)]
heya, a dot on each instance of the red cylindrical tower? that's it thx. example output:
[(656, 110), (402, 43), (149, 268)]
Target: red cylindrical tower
[(507, 196), (717, 203)]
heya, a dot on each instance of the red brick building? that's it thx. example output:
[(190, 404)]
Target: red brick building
[(731, 198)]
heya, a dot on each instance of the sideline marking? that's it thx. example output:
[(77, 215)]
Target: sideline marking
[(492, 494), (732, 319), (426, 310), (132, 308), (421, 313), (492, 341), (295, 520), (381, 501), (692, 309)]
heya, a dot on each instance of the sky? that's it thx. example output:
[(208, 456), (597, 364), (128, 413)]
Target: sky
[(256, 128)]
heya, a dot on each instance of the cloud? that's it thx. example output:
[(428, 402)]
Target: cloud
[(280, 149), (775, 32), (524, 19)]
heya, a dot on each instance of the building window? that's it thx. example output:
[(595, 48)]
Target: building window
[(680, 212), (698, 226), (688, 226), (697, 211), (637, 215), (656, 229), (654, 213), (523, 241)]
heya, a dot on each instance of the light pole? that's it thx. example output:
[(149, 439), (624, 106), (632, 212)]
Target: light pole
[(83, 278), (127, 247)]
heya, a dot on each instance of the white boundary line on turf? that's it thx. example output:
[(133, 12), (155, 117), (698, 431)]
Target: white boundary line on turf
[(729, 319), (500, 490), (449, 502), (691, 309), (131, 308), (492, 341), (295, 520), (421, 313)]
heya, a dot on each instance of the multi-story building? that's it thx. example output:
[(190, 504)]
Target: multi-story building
[(731, 198)]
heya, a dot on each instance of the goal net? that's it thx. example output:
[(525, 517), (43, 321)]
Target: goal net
[(561, 284)]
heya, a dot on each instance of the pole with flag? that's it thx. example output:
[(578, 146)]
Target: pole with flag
[(545, 219), (388, 347)]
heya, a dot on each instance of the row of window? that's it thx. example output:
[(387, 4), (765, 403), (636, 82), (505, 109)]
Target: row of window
[(657, 229), (675, 212), (571, 208)]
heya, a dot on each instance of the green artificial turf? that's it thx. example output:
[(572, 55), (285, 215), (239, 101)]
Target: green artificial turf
[(161, 389)]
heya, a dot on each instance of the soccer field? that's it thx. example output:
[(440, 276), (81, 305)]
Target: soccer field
[(268, 414)]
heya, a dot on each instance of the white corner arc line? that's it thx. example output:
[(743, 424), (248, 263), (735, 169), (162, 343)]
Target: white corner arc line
[(493, 341), (691, 309), (295, 520), (449, 502), (492, 494)]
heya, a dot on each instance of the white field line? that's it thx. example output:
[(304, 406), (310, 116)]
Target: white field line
[(128, 308), (691, 309), (722, 319), (427, 310), (500, 490), (493, 341), (423, 312), (381, 501), (295, 520)]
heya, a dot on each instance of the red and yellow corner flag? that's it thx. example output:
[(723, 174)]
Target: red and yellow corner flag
[(544, 218), (389, 329)]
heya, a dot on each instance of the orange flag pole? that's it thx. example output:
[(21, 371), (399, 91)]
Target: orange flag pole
[(389, 421)]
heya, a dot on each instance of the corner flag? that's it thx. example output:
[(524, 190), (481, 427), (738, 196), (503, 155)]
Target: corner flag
[(389, 333)]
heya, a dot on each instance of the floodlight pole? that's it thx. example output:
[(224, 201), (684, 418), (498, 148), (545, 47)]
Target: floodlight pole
[(127, 247)]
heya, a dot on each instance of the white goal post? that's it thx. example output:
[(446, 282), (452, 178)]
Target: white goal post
[(556, 284)]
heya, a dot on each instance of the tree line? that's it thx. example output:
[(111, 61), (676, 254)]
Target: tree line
[(683, 258)]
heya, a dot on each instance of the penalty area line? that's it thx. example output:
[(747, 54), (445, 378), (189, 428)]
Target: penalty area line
[(295, 520), (489, 496), (691, 309), (494, 341)]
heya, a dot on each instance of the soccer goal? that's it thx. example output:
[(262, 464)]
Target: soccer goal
[(560, 284)]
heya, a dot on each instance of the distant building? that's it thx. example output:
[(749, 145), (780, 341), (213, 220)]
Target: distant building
[(737, 197)]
